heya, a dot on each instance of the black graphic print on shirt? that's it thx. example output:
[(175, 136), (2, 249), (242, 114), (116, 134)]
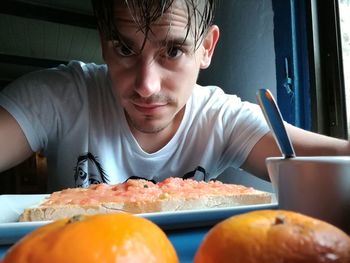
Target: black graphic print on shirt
[(198, 174), (89, 171), (140, 178)]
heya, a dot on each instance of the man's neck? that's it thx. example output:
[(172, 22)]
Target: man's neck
[(153, 142)]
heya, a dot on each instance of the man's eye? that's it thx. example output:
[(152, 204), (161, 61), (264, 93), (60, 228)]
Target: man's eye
[(173, 52), (122, 50)]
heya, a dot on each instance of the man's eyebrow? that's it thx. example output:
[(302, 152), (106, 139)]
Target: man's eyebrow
[(169, 41)]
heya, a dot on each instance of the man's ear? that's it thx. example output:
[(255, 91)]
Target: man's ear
[(208, 45)]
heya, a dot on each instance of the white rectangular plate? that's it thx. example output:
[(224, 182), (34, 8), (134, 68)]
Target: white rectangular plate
[(11, 206)]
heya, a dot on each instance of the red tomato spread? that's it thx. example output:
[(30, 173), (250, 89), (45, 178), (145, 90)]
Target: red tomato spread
[(138, 190)]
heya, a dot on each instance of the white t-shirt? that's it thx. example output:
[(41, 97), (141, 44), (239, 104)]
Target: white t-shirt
[(70, 113)]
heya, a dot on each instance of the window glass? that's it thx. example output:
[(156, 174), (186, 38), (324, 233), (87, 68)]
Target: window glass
[(344, 13)]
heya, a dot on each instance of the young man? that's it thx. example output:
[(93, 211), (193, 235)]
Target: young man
[(142, 114)]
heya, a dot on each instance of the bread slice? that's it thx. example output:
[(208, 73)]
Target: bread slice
[(141, 196)]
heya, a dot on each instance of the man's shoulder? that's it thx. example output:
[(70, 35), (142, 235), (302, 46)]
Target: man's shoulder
[(213, 95), (200, 89), (77, 73), (206, 93), (85, 68), (54, 82), (64, 72)]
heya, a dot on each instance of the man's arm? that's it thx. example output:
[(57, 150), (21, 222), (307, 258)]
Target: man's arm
[(305, 143), (14, 147)]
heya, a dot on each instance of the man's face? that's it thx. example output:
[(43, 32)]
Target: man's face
[(153, 85)]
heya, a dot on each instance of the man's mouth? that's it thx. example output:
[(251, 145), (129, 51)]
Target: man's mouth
[(149, 108)]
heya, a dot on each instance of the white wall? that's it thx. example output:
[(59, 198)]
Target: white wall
[(244, 59)]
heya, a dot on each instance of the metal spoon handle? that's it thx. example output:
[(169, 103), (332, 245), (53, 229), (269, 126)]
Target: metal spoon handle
[(274, 119)]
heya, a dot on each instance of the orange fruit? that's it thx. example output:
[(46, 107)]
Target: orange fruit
[(269, 236), (104, 238)]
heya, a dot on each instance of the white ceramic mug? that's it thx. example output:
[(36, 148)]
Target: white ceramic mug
[(318, 186)]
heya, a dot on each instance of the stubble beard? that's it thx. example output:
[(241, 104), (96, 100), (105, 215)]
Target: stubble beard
[(148, 124), (144, 127)]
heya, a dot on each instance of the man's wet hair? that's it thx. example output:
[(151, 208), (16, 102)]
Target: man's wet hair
[(200, 16)]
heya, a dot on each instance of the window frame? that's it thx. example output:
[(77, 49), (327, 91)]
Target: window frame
[(329, 89), (292, 62), (307, 37)]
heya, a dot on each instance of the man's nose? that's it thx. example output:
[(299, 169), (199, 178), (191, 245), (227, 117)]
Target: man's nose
[(148, 79)]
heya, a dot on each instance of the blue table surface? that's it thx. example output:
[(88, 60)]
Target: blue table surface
[(185, 241)]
